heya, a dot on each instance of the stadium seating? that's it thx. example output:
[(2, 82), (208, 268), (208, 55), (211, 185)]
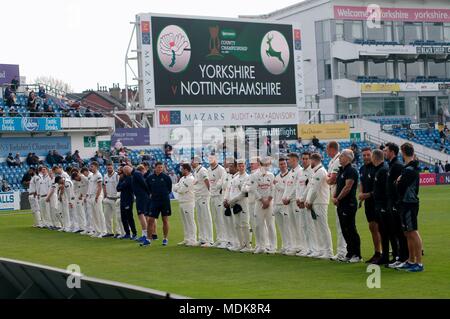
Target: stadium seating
[(59, 107), (423, 137)]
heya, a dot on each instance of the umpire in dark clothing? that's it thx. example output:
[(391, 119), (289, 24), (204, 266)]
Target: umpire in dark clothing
[(160, 187), (126, 204), (379, 196), (347, 205), (398, 242)]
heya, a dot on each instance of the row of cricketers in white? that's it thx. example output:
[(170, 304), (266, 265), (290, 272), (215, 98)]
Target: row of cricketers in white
[(89, 204), (264, 199)]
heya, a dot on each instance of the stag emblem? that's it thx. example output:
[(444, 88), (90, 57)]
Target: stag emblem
[(271, 52)]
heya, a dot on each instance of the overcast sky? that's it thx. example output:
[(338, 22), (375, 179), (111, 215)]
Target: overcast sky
[(83, 42)]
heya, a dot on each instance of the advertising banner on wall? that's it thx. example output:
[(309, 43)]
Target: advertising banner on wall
[(9, 72), (9, 201), (282, 132), (131, 136), (392, 14), (30, 124), (231, 116), (337, 131), (427, 179), (38, 145), (219, 62), (443, 179)]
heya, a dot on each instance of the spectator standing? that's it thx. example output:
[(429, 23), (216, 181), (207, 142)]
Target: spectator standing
[(447, 167), (32, 108)]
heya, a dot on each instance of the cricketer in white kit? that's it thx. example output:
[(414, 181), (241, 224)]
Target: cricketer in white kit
[(43, 188), (281, 211), (94, 201), (264, 216), (294, 211), (33, 198), (111, 203), (202, 195), (333, 170), (306, 232), (216, 173), (186, 199), (236, 201), (230, 230), (79, 214), (317, 200)]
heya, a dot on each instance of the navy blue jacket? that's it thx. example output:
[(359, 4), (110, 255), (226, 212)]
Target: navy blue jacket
[(126, 192), (160, 187), (141, 192)]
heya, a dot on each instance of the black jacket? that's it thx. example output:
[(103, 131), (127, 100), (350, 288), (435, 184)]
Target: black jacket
[(126, 192), (408, 185), (395, 169), (379, 185)]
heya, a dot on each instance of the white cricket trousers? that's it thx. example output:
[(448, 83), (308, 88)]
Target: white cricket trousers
[(251, 211), (44, 208), (89, 216), (113, 220), (188, 220), (341, 244), (79, 215), (98, 218), (241, 222), (217, 212), (55, 213), (34, 204), (281, 213), (308, 230), (266, 235), (324, 242), (297, 236), (231, 230), (65, 215), (204, 220)]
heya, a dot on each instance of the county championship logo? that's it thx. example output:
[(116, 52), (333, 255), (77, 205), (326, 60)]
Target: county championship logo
[(174, 49), (275, 52)]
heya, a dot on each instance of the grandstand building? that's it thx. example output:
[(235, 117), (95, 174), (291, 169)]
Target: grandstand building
[(359, 65)]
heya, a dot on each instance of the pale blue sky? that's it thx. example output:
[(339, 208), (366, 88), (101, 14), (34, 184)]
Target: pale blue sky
[(84, 41)]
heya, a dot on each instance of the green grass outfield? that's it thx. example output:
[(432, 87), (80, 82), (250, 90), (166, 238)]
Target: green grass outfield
[(215, 273)]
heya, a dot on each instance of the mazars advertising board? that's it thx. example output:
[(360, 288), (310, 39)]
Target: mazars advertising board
[(227, 116), (204, 62)]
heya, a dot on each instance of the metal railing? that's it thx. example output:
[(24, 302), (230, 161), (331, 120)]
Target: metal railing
[(426, 158)]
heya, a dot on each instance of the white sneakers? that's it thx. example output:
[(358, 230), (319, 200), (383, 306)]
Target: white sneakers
[(246, 250), (355, 259)]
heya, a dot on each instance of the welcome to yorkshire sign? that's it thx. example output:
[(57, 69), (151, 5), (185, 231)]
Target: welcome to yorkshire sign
[(219, 62)]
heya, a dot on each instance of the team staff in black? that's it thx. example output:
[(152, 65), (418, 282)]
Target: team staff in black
[(141, 193), (408, 191), (347, 205), (126, 202), (160, 187), (398, 239), (148, 172), (366, 176), (379, 197)]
